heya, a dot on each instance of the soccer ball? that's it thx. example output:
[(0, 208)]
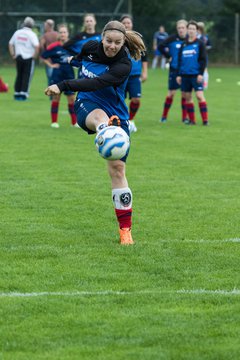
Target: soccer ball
[(112, 143)]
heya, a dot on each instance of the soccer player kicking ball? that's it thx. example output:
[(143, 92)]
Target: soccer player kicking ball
[(105, 68)]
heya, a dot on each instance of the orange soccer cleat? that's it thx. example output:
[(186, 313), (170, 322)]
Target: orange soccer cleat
[(114, 121), (126, 236)]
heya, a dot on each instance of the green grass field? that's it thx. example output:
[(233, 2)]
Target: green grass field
[(68, 290)]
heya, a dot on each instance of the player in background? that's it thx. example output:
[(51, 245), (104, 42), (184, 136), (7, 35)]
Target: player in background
[(204, 37), (170, 48), (50, 36), (192, 60), (55, 56), (3, 86), (75, 44), (138, 75), (24, 49), (158, 37), (101, 102)]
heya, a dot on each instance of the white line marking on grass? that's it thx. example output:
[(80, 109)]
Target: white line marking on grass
[(211, 292), (202, 241), (72, 247), (118, 293)]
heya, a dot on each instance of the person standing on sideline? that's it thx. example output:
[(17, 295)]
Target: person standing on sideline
[(192, 61), (158, 37), (75, 44), (204, 37), (50, 36), (139, 74), (55, 57), (170, 48), (24, 48), (100, 102)]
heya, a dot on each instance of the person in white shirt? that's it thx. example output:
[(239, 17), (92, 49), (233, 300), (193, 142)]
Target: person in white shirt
[(24, 48)]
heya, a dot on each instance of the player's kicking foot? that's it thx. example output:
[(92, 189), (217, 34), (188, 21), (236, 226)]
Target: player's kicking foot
[(114, 121), (126, 237)]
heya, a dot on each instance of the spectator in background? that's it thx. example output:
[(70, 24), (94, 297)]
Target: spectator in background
[(158, 38), (204, 37), (75, 44), (24, 48), (55, 56), (137, 75), (49, 37)]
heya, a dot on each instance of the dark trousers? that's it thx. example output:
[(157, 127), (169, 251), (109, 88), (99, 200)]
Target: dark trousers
[(24, 75)]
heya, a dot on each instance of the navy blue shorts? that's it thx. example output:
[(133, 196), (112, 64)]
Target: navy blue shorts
[(172, 82), (84, 107), (134, 87), (189, 83)]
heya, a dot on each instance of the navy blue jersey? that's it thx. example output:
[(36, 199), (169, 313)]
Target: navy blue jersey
[(104, 79), (160, 37), (192, 58), (170, 48), (206, 40), (75, 44), (137, 65), (58, 55)]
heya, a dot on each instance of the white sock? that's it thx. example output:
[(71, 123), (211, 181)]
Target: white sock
[(122, 198)]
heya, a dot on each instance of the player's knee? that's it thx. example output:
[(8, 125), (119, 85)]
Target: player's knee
[(117, 169)]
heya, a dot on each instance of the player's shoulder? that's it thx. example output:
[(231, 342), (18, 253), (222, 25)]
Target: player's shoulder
[(91, 45)]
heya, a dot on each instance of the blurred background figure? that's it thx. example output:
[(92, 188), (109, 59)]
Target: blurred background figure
[(158, 38), (49, 37), (170, 48), (56, 58), (75, 44), (204, 37), (24, 48)]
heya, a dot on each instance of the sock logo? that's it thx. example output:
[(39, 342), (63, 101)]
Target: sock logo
[(125, 199)]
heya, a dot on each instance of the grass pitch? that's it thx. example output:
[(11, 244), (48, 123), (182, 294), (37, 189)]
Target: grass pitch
[(67, 289)]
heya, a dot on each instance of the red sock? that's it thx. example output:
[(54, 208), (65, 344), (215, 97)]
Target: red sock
[(204, 111), (72, 113), (133, 108), (191, 112), (54, 111), (167, 105), (124, 218), (184, 109)]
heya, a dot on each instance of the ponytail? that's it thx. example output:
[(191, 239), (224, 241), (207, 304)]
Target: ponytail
[(135, 44)]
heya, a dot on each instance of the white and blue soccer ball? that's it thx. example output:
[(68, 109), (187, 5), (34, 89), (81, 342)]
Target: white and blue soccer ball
[(112, 143)]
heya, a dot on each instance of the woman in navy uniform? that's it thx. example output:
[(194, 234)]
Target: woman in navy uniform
[(192, 61), (170, 48), (56, 58), (100, 102)]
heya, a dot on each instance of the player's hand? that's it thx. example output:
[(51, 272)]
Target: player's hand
[(199, 79), (52, 90), (55, 66), (179, 80)]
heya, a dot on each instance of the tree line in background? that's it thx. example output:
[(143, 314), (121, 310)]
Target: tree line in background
[(218, 15)]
